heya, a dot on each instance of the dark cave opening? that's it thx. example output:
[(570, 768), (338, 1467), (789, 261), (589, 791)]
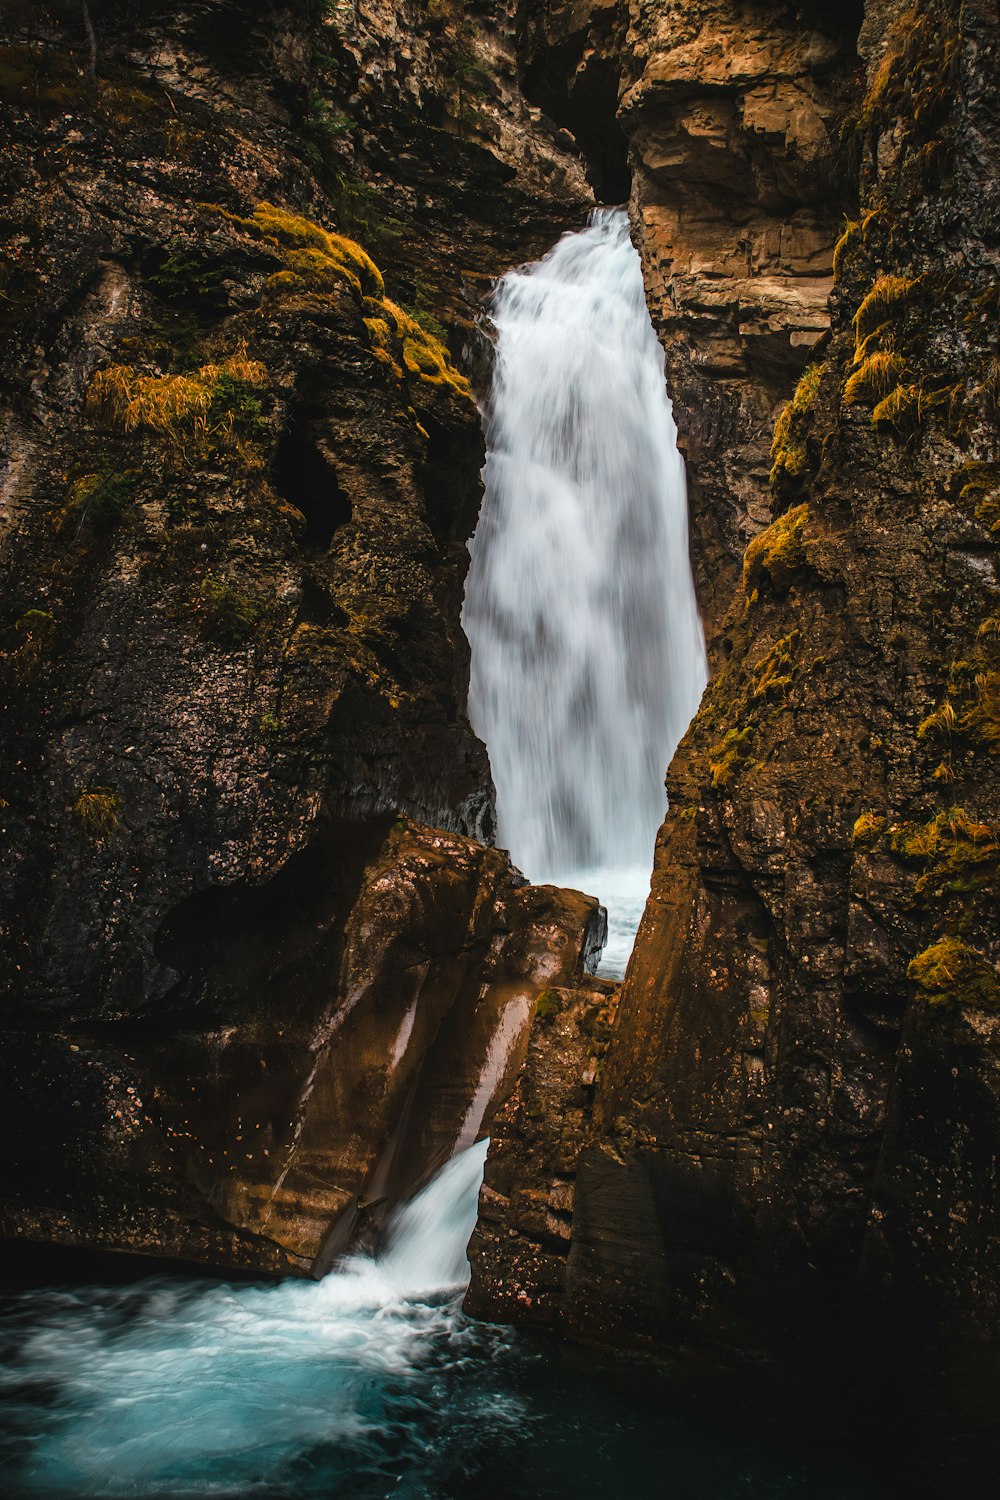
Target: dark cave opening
[(589, 111), (308, 481)]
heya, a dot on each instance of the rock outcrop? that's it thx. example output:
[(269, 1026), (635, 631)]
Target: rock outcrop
[(333, 1035), (730, 118), (799, 1107)]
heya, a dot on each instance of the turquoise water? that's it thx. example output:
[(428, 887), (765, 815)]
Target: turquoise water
[(371, 1383)]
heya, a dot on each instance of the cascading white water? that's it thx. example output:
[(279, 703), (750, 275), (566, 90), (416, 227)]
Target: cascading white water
[(588, 659), (170, 1388)]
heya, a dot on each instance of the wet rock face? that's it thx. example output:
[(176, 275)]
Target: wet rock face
[(330, 1038), (524, 1235), (238, 472), (799, 1107), (731, 116)]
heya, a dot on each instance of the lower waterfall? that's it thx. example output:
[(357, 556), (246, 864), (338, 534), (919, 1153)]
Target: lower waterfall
[(588, 659), (178, 1387)]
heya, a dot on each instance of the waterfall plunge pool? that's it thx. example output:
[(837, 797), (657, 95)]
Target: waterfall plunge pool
[(372, 1383)]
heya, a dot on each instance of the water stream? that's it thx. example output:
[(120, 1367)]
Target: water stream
[(588, 659), (368, 1385)]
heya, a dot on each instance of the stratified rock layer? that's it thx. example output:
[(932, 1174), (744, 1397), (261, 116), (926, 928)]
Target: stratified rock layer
[(730, 115)]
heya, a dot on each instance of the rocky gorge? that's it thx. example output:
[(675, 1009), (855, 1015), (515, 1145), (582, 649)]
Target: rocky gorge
[(256, 937)]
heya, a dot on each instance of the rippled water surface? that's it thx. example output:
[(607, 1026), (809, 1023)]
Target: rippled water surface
[(370, 1383)]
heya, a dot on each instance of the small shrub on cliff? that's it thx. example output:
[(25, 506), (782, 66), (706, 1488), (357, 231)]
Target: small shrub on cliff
[(96, 810), (230, 617), (183, 277)]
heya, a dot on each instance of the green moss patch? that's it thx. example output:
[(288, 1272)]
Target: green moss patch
[(229, 615)]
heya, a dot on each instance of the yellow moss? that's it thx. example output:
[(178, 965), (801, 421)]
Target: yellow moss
[(730, 755), (774, 675), (852, 232), (316, 261), (378, 332), (314, 253), (868, 827), (942, 722), (958, 853), (777, 552), (914, 81), (981, 721), (879, 375), (174, 406), (424, 355), (950, 972), (886, 298), (96, 811), (789, 455), (900, 409)]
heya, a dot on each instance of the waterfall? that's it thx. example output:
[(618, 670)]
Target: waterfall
[(588, 659)]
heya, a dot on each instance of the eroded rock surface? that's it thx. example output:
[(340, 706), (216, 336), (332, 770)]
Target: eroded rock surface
[(332, 1036), (730, 118), (239, 469)]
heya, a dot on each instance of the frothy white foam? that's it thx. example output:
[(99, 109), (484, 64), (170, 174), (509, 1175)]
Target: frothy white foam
[(588, 658)]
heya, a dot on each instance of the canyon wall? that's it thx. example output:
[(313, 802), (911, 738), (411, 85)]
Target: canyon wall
[(798, 1109), (255, 952), (239, 470)]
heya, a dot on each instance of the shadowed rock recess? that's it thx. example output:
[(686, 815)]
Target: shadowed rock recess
[(262, 969)]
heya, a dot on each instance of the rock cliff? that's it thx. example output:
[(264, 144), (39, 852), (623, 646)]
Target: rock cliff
[(724, 124), (260, 973), (799, 1103), (239, 469)]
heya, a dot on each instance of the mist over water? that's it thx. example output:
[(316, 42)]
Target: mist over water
[(588, 659)]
